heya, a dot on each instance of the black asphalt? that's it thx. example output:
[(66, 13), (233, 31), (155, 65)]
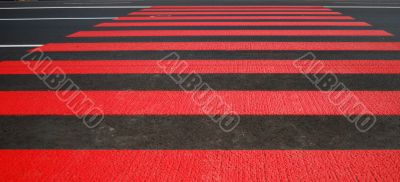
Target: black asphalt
[(197, 132), (192, 132), (377, 82)]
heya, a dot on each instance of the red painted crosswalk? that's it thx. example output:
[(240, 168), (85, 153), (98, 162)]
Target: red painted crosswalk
[(240, 24), (227, 7), (235, 18), (237, 13), (201, 165), (246, 9), (155, 33), (234, 29), (186, 103), (207, 66)]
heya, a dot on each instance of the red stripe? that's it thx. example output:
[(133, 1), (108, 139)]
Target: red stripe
[(216, 7), (236, 18), (221, 46), (200, 165), (182, 103), (206, 66), (243, 9), (236, 13), (153, 24), (147, 33)]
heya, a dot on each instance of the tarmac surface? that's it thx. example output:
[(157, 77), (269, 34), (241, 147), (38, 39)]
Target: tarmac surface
[(200, 86)]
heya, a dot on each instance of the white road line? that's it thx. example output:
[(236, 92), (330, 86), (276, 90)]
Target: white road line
[(122, 2), (24, 45), (41, 19), (103, 3), (365, 7), (111, 2), (77, 7)]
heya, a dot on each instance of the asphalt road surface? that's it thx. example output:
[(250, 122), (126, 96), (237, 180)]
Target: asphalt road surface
[(200, 90)]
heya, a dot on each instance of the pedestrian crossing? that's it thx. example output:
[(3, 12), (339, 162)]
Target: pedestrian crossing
[(247, 55)]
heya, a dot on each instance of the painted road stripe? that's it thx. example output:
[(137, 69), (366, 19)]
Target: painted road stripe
[(155, 24), (147, 33), (221, 46), (140, 7), (21, 45), (41, 19), (324, 165), (159, 102), (237, 9), (227, 7), (365, 7), (206, 66), (362, 165), (75, 7), (236, 18), (237, 13)]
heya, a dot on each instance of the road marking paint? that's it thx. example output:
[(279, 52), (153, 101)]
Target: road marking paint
[(236, 13), (75, 7), (222, 46), (236, 18), (141, 7), (365, 3), (182, 103), (168, 24), (147, 33), (238, 9), (206, 164), (368, 7), (23, 45), (227, 7), (42, 19), (206, 66)]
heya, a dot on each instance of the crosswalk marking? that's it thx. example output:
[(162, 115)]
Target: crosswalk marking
[(145, 111), (159, 102), (155, 33), (237, 13), (236, 23), (235, 18), (206, 66)]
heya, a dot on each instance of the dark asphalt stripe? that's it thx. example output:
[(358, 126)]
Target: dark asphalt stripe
[(237, 13), (220, 46), (243, 82), (204, 55), (204, 66), (207, 24), (196, 132), (203, 102), (149, 18), (176, 33)]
